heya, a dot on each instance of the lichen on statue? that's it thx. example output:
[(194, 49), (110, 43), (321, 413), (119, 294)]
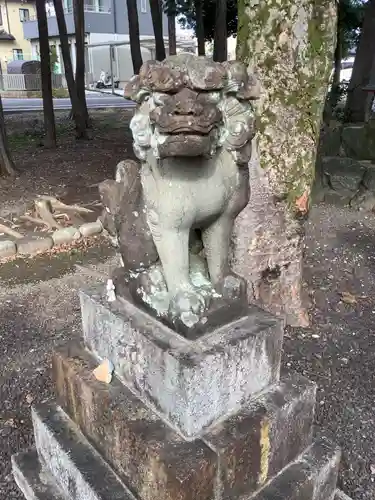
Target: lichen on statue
[(172, 215)]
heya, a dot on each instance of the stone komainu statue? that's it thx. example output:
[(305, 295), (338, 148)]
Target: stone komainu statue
[(172, 216)]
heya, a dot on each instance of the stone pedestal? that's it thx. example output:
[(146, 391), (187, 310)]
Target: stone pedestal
[(208, 419)]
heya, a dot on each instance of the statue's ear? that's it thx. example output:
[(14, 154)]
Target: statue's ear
[(134, 91)]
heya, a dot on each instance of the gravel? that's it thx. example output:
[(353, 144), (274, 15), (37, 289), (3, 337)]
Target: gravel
[(39, 310)]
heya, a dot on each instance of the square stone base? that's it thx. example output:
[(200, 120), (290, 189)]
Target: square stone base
[(65, 465), (192, 384), (238, 456)]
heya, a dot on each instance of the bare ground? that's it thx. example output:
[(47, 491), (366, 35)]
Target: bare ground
[(72, 171), (39, 308)]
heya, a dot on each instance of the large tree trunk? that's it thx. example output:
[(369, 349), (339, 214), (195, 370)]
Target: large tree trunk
[(157, 22), (200, 27), (290, 46), (172, 34), (77, 109), (79, 23), (220, 40), (7, 167), (45, 67), (135, 45), (359, 101)]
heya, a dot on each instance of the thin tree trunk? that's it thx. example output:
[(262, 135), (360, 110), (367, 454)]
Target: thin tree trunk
[(359, 101), (77, 110), (334, 94), (7, 167), (135, 45), (200, 27), (45, 66), (220, 40), (294, 64), (157, 22), (79, 22), (172, 35)]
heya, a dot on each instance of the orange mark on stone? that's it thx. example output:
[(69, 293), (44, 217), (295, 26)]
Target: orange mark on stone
[(302, 203)]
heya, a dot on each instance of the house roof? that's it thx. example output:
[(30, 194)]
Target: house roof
[(6, 36)]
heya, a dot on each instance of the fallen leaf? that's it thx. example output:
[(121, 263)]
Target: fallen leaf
[(348, 298), (104, 372)]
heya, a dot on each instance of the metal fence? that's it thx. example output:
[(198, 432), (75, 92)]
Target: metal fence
[(30, 82)]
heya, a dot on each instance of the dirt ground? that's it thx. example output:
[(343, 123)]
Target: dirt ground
[(71, 172), (39, 310)]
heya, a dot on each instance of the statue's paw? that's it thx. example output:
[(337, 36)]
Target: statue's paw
[(232, 287), (188, 306)]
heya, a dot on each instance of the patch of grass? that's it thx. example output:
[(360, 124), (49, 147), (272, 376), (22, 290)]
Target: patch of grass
[(60, 93)]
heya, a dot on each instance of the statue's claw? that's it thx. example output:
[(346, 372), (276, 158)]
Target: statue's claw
[(188, 306)]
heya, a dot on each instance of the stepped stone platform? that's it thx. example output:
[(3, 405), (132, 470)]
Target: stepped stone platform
[(204, 419)]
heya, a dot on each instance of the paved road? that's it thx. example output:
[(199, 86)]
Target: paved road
[(98, 101)]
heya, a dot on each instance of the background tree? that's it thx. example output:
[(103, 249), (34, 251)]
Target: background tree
[(220, 38), (199, 27), (7, 167), (157, 22), (78, 110), (294, 64), (359, 101), (45, 67), (349, 22), (79, 23), (197, 13), (135, 44), (170, 9)]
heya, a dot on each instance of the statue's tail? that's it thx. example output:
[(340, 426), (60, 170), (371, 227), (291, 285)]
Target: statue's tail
[(124, 216)]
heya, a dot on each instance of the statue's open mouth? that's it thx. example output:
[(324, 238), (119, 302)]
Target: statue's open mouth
[(169, 123), (185, 144)]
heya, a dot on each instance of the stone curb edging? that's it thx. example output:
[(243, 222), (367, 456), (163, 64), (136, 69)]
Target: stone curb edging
[(31, 246)]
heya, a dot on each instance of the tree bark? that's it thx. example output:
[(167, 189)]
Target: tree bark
[(135, 45), (200, 27), (7, 167), (359, 101), (77, 110), (172, 34), (291, 48), (157, 23), (220, 40), (79, 23), (45, 67)]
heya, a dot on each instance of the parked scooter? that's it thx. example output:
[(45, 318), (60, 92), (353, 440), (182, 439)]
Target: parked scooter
[(105, 81)]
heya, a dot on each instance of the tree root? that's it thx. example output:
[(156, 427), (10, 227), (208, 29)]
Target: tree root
[(43, 210), (59, 205), (35, 220), (7, 230)]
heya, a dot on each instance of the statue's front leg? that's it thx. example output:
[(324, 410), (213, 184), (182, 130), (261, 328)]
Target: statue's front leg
[(173, 248), (216, 241)]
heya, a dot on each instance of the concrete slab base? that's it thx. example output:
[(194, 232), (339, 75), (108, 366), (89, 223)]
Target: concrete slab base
[(241, 453), (205, 419), (34, 482), (64, 453), (193, 383), (66, 458)]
